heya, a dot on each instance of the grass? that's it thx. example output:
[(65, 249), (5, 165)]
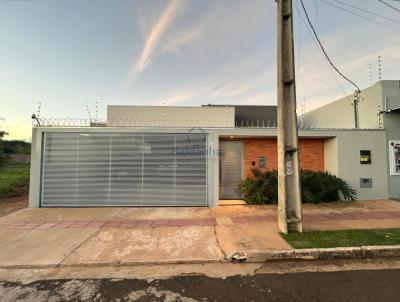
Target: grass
[(14, 180), (343, 238)]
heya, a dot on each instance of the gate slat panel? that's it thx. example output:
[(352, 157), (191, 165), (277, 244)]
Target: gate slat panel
[(124, 169)]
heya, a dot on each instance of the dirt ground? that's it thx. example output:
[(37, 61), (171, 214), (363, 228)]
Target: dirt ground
[(14, 204)]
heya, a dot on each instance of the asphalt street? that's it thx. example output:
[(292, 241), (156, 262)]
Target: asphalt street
[(363, 285)]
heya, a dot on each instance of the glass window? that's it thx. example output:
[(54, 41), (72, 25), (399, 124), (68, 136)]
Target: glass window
[(394, 147)]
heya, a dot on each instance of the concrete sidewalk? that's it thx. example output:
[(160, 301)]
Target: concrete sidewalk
[(51, 237)]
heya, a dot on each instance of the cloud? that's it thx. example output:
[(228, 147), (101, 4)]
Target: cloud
[(181, 96), (214, 31), (181, 39), (247, 90), (238, 73), (156, 33), (317, 83), (242, 85), (319, 87)]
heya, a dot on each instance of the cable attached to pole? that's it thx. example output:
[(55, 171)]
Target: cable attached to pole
[(323, 49), (389, 5)]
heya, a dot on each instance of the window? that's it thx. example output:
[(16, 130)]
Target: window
[(394, 157)]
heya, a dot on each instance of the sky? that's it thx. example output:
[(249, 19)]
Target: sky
[(70, 54)]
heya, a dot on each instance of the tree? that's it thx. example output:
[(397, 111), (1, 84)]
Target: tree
[(3, 157), (2, 134)]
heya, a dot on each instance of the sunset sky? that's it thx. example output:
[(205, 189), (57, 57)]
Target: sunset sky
[(68, 54)]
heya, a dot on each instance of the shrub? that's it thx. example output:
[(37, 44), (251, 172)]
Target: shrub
[(14, 181), (4, 158), (316, 187), (261, 189), (319, 187)]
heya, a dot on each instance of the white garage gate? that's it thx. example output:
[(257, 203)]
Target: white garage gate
[(123, 169)]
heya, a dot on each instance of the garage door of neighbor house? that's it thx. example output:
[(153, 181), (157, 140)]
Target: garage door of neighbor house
[(118, 169)]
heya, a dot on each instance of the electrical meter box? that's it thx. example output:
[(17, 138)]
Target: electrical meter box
[(365, 157)]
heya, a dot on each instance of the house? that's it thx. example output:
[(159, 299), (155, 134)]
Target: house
[(186, 156), (379, 108)]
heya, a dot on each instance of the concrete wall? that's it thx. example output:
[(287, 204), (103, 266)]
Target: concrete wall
[(166, 116), (349, 145), (331, 158), (382, 96), (340, 114), (391, 122), (36, 168), (341, 155), (20, 158)]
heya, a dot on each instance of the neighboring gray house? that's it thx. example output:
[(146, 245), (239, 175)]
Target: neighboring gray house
[(379, 108)]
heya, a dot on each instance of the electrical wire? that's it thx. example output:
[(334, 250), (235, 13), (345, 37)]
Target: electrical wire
[(316, 12), (389, 5), (367, 11), (316, 44), (360, 16), (323, 49)]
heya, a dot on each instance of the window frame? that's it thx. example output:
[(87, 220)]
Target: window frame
[(392, 164)]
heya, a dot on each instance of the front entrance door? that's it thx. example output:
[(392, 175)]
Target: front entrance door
[(230, 169)]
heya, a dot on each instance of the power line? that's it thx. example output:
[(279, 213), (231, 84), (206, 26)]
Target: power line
[(358, 15), (389, 5), (323, 49), (316, 12), (316, 44), (367, 11)]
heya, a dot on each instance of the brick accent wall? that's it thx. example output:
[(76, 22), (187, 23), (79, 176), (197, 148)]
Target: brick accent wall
[(311, 153)]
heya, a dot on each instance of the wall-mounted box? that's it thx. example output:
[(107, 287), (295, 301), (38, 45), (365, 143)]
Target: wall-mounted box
[(261, 162), (365, 182), (365, 157)]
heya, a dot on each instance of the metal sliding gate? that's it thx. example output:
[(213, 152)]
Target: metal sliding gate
[(124, 169)]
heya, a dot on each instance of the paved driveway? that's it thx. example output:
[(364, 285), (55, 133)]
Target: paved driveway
[(109, 236)]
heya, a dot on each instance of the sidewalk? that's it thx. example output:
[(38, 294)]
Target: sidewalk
[(51, 237)]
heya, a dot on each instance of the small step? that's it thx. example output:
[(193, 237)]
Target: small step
[(293, 220)]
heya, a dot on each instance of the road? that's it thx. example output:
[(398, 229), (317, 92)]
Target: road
[(361, 285)]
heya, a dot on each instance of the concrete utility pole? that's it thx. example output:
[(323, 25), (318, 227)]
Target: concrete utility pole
[(289, 193), (356, 100)]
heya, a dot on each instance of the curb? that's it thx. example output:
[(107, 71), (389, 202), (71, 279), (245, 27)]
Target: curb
[(381, 251), (112, 264), (252, 256)]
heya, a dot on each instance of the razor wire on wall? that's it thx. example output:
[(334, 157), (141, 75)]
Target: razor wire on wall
[(148, 123)]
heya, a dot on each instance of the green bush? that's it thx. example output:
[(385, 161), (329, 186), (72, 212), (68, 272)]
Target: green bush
[(14, 181), (261, 189), (15, 147), (316, 187), (4, 158), (319, 187)]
